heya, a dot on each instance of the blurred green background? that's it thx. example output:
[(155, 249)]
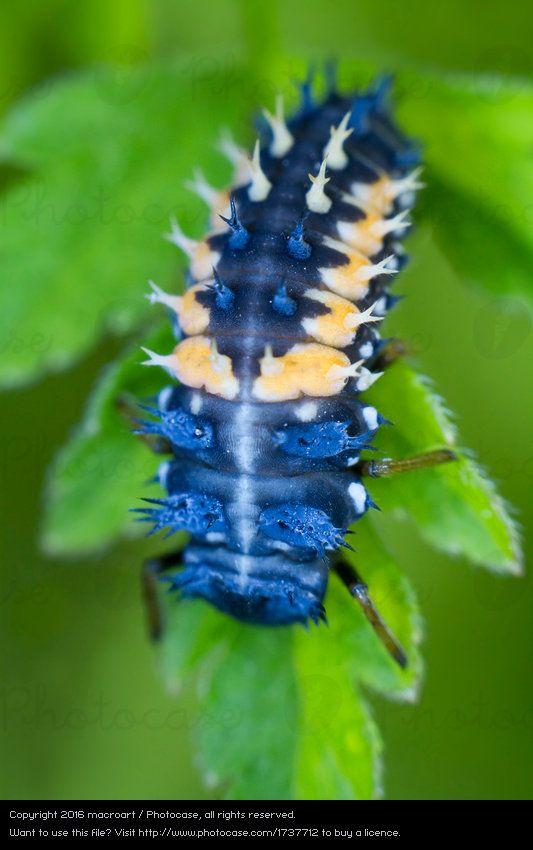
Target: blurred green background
[(83, 713)]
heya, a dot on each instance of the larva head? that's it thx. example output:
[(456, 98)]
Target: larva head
[(265, 590)]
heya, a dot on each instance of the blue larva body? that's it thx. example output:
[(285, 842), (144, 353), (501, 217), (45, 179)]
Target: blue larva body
[(278, 338)]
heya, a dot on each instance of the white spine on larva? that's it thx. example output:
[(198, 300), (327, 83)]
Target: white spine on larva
[(201, 187), (154, 359), (391, 225), (159, 296), (334, 150), (409, 183), (367, 378), (353, 320), (236, 155), (178, 238), (351, 371), (376, 269), (316, 199), (270, 366), (260, 185), (282, 139), (217, 361)]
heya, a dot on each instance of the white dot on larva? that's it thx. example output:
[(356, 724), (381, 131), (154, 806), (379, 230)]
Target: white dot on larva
[(406, 199), (164, 398), (215, 537), (162, 472), (196, 403), (366, 350), (357, 494), (393, 263), (351, 461), (380, 307), (307, 411), (370, 415)]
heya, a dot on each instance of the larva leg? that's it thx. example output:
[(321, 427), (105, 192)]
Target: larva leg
[(358, 589), (151, 570), (392, 351), (386, 467)]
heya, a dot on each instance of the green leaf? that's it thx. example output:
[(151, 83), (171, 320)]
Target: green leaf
[(478, 248), (298, 687), (106, 156), (103, 469), (456, 507), (301, 689), (477, 134)]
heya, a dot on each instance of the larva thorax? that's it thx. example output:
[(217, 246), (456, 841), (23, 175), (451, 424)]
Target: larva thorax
[(279, 327)]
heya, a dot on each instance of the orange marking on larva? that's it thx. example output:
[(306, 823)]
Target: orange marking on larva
[(307, 369), (335, 328), (196, 363), (367, 235), (377, 197), (361, 234), (351, 279), (219, 206), (203, 261), (193, 316)]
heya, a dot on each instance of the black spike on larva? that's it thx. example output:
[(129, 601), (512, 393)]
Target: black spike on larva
[(223, 294), (296, 244), (307, 103), (283, 303), (240, 236), (330, 75), (380, 91)]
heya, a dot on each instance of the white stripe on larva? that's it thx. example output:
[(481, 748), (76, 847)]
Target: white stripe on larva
[(366, 350), (370, 415), (245, 452), (164, 398), (351, 461), (162, 472), (306, 411), (196, 403)]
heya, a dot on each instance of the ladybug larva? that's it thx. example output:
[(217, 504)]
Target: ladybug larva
[(277, 341)]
